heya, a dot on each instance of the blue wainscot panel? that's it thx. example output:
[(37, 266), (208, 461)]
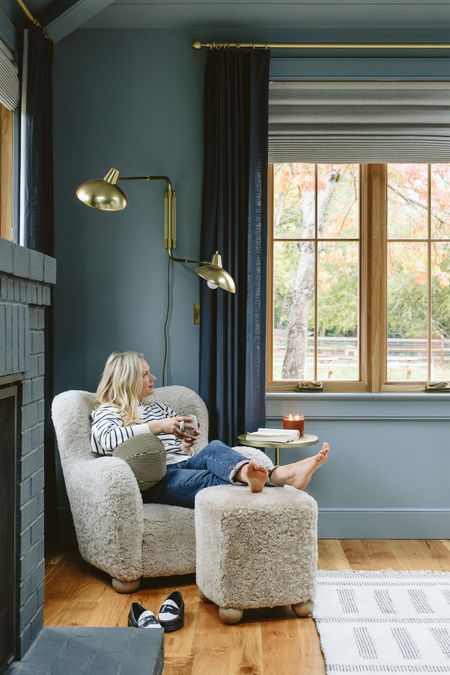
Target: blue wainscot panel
[(388, 475)]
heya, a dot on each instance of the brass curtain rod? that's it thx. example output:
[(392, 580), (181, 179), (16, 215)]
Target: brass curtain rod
[(198, 44), (34, 20)]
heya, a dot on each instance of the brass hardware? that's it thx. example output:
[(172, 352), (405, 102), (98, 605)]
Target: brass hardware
[(196, 313), (198, 44), (215, 275), (112, 176), (309, 385), (170, 219), (35, 21), (106, 195), (103, 194), (437, 386)]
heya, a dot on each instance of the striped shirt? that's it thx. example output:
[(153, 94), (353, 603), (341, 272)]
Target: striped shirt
[(108, 430)]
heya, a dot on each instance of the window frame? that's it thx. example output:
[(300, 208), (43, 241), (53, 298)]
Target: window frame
[(372, 292), (6, 173)]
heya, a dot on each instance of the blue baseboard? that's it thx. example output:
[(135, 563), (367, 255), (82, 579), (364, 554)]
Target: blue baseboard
[(336, 523)]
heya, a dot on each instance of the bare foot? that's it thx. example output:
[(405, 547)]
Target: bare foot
[(254, 474), (299, 474)]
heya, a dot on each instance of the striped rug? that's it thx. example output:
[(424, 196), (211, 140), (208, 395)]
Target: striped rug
[(384, 622)]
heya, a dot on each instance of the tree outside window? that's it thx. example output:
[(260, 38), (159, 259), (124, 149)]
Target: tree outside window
[(323, 266)]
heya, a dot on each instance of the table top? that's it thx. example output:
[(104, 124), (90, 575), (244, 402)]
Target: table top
[(307, 439)]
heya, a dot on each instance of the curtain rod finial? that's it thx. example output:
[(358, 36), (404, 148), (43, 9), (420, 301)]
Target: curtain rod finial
[(196, 44)]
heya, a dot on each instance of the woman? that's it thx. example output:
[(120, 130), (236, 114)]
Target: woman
[(121, 413)]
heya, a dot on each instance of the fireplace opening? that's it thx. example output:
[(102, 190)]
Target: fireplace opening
[(9, 396)]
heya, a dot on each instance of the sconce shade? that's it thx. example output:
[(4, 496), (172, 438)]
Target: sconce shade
[(215, 275), (103, 194)]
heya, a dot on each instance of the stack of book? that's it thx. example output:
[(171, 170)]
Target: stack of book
[(274, 435)]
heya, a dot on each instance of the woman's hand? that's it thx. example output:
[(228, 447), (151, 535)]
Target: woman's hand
[(171, 425), (187, 443)]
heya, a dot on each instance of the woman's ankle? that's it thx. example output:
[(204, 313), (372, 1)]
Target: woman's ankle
[(236, 474), (273, 476)]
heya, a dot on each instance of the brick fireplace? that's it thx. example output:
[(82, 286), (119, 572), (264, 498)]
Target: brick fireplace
[(26, 279)]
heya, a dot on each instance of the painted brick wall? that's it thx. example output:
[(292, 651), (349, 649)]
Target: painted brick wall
[(26, 278)]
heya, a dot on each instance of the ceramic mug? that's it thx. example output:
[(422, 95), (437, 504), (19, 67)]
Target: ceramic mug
[(185, 429)]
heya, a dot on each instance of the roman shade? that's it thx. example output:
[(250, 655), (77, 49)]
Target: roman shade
[(346, 122), (9, 81)]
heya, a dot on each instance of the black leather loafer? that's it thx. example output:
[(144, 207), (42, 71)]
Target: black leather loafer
[(139, 617), (171, 612)]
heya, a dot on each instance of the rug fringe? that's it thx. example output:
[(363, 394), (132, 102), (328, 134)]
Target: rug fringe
[(367, 574)]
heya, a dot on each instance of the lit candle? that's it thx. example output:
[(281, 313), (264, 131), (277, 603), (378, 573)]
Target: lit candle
[(294, 422)]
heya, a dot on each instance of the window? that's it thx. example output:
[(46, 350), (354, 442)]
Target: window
[(6, 172), (359, 276)]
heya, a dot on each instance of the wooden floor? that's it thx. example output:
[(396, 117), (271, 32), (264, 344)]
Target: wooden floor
[(266, 642)]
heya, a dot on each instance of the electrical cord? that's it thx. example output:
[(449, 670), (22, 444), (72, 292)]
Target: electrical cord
[(166, 321)]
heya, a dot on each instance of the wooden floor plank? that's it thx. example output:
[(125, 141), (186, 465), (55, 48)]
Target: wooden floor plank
[(379, 554), (332, 556), (445, 543), (357, 555), (216, 645), (439, 553), (418, 555), (180, 645), (266, 642)]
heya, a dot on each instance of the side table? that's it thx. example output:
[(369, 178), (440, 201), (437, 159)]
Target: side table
[(307, 439)]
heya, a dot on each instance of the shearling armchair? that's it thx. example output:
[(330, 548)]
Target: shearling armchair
[(116, 531)]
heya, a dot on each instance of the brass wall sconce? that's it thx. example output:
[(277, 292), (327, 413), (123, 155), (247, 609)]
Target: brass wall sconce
[(104, 194)]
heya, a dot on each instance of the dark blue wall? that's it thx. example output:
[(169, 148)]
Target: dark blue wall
[(133, 99)]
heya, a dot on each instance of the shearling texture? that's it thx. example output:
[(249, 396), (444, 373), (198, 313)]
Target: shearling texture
[(256, 550), (115, 531), (168, 546), (254, 453)]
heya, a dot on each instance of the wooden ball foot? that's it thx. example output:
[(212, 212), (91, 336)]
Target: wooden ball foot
[(125, 586), (230, 615), (303, 608)]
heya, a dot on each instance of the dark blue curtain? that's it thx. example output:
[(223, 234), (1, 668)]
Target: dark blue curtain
[(234, 221), (37, 218)]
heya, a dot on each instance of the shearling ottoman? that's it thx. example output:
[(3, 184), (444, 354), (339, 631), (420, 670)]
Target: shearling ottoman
[(256, 550)]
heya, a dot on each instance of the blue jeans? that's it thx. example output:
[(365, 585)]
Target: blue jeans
[(216, 464)]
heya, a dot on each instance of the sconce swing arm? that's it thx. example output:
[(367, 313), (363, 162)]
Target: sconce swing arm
[(169, 217), (105, 195)]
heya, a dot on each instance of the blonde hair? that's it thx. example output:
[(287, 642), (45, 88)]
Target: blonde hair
[(121, 384)]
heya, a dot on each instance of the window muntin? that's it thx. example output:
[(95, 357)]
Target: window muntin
[(440, 317), (316, 268), (418, 272), (399, 262)]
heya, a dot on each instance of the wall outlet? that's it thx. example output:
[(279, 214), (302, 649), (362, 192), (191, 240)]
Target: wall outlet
[(196, 313)]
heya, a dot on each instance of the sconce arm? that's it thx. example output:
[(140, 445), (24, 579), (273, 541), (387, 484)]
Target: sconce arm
[(150, 178), (170, 226), (104, 194), (185, 260)]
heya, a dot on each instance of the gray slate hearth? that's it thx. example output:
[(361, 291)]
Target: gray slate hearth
[(26, 278), (94, 651)]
